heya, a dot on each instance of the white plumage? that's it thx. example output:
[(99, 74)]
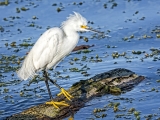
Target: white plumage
[(53, 46)]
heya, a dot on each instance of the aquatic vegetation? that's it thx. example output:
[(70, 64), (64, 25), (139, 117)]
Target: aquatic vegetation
[(6, 2), (24, 8)]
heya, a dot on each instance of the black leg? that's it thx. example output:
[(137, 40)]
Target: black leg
[(63, 91), (52, 81), (47, 85)]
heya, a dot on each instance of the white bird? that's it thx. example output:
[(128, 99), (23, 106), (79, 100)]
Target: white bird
[(54, 44)]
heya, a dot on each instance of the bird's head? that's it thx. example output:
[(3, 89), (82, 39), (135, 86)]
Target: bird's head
[(76, 22)]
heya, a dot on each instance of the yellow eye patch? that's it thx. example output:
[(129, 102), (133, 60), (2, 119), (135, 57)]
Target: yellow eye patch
[(84, 26)]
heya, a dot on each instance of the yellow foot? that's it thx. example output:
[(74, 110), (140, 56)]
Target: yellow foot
[(65, 93), (70, 118), (55, 104)]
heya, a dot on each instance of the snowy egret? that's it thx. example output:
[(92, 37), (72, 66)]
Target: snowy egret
[(54, 44)]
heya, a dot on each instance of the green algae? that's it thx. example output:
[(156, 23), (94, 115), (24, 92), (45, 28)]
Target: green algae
[(25, 44), (6, 2)]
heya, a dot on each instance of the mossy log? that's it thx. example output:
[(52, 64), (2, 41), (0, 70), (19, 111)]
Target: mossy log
[(116, 81)]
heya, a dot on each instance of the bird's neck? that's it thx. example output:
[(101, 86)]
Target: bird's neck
[(70, 33), (71, 37)]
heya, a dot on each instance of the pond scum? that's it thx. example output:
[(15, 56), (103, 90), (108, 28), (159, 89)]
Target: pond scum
[(6, 2)]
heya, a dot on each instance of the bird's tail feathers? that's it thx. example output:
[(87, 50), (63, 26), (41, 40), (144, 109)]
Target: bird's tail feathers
[(27, 70)]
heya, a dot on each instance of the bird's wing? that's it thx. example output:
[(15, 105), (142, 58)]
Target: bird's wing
[(41, 54), (45, 49)]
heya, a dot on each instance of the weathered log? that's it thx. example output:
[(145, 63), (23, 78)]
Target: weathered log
[(115, 81)]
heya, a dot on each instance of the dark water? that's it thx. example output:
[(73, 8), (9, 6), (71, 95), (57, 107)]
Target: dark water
[(124, 19)]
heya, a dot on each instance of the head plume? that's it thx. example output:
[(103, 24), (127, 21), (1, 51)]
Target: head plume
[(73, 17)]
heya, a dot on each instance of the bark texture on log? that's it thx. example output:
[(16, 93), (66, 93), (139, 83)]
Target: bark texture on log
[(116, 81)]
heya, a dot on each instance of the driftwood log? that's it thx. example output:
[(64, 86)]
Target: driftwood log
[(116, 81)]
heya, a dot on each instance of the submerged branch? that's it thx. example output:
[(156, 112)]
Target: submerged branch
[(81, 47)]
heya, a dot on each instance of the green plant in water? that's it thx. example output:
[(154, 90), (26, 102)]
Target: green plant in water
[(6, 2)]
